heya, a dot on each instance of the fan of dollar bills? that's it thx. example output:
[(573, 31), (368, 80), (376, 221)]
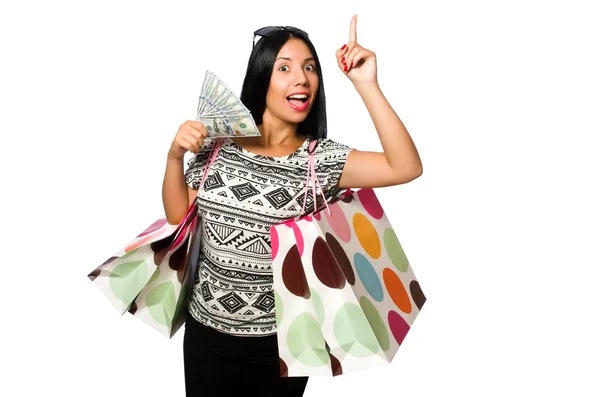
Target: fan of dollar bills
[(220, 110)]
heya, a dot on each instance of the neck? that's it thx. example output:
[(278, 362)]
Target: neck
[(276, 132)]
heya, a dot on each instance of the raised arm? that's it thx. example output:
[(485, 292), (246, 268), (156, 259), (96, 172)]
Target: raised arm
[(400, 162)]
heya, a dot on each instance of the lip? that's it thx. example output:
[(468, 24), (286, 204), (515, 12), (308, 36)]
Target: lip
[(304, 105)]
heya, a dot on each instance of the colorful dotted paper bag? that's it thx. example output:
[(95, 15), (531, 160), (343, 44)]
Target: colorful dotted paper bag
[(125, 273), (162, 303), (345, 293), (152, 275)]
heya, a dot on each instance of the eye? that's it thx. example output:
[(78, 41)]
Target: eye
[(283, 68), (310, 68)]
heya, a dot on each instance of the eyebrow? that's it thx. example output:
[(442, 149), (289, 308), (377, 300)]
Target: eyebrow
[(289, 59)]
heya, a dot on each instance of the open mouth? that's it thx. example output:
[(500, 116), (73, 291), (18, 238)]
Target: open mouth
[(298, 100)]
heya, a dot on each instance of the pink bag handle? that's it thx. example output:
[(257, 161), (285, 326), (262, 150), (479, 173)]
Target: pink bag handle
[(192, 210), (189, 219), (214, 151), (311, 176)]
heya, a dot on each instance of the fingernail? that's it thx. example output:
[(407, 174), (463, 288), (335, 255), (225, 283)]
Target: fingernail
[(344, 47), (343, 59), (345, 68), (352, 64)]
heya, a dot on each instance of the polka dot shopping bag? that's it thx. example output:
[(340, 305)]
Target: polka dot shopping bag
[(151, 277), (162, 303), (345, 293)]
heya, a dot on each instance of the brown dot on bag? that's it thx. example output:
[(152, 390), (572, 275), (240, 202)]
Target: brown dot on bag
[(341, 257), (283, 369), (348, 199), (133, 308), (177, 261), (336, 366), (293, 274), (326, 267), (417, 294), (96, 272), (161, 248)]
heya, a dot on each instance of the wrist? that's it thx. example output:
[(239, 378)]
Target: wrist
[(171, 158), (367, 89)]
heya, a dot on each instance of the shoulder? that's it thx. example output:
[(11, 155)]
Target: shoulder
[(326, 144), (330, 149)]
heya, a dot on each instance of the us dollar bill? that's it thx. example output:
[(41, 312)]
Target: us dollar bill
[(229, 126), (221, 111)]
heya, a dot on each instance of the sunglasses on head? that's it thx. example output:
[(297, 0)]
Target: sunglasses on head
[(269, 30)]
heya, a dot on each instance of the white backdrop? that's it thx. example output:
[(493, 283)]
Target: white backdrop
[(501, 99)]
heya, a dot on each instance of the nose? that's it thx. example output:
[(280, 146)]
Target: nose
[(300, 77)]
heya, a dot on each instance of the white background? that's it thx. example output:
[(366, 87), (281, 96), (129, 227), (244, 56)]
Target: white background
[(502, 229)]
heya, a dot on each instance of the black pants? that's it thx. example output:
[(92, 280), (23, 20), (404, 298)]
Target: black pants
[(218, 364)]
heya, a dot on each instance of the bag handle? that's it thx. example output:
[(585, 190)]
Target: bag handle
[(311, 176), (192, 210), (214, 151)]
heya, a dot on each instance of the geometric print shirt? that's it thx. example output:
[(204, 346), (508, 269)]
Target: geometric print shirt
[(242, 197)]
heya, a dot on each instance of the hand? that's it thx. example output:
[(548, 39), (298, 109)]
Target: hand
[(190, 137), (358, 63)]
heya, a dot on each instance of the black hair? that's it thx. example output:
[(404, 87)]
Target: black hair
[(258, 77)]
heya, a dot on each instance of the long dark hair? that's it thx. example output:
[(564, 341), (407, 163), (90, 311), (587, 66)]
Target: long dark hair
[(258, 77)]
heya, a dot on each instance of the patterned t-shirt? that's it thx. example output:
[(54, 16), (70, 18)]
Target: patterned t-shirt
[(243, 196)]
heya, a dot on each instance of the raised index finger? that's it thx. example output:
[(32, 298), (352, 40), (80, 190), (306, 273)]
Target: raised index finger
[(353, 28)]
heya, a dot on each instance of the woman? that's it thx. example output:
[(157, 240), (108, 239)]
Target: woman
[(230, 338)]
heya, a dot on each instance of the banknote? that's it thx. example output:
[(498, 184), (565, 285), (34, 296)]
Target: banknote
[(229, 109), (229, 126), (221, 111)]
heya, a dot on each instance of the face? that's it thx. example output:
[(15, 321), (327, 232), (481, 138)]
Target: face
[(220, 125), (294, 83)]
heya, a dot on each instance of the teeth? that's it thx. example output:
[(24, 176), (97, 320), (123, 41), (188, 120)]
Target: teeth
[(298, 96)]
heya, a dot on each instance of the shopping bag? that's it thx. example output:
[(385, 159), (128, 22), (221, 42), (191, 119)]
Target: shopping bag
[(122, 276), (298, 307), (341, 279), (150, 277), (162, 302)]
